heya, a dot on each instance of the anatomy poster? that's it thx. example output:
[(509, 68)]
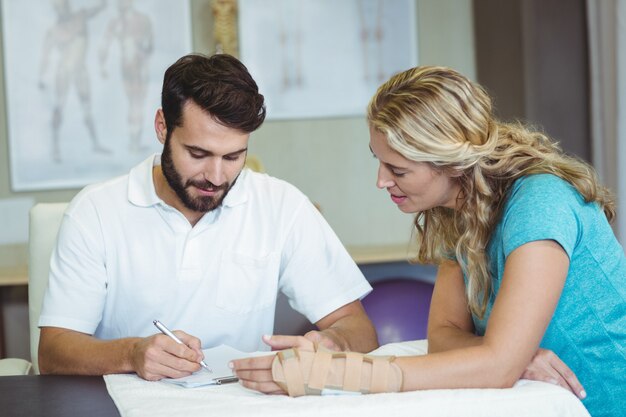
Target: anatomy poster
[(83, 82), (325, 58)]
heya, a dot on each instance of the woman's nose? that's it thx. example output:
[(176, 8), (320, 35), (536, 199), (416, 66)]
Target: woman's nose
[(384, 179)]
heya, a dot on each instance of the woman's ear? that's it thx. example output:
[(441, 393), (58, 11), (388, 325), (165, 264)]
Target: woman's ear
[(456, 173), (449, 171)]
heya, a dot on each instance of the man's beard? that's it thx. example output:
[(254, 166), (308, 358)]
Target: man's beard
[(200, 203)]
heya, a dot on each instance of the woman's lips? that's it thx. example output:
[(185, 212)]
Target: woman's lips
[(397, 199)]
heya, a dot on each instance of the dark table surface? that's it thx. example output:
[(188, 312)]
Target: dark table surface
[(55, 396)]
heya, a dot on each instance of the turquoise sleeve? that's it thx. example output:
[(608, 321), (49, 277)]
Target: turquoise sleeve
[(542, 207)]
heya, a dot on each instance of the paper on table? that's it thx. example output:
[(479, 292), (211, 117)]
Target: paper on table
[(217, 359)]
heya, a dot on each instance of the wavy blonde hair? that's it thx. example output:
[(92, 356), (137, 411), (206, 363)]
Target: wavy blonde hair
[(436, 115)]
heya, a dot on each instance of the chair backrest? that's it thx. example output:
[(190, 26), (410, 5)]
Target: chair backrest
[(45, 219), (398, 308)]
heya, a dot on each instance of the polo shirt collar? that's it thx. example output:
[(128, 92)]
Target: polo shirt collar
[(239, 193), (142, 191)]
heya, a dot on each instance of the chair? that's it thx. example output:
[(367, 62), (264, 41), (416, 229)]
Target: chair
[(45, 219), (398, 308), (14, 366)]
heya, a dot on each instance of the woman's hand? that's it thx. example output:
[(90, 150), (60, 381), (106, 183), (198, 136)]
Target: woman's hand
[(256, 372), (546, 366)]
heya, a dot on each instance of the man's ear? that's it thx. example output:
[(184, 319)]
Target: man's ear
[(160, 127)]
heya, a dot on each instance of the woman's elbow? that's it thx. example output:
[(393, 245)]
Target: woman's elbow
[(504, 373)]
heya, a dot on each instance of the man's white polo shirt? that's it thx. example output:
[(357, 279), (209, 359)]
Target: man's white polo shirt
[(124, 258)]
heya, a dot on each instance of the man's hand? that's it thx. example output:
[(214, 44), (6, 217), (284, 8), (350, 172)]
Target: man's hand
[(326, 338), (158, 356), (546, 366), (278, 342)]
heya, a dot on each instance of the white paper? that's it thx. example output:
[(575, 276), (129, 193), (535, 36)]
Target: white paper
[(217, 359)]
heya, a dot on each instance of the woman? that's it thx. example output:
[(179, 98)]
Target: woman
[(520, 232)]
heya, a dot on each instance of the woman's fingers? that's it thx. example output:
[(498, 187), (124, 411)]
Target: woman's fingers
[(567, 375), (546, 366)]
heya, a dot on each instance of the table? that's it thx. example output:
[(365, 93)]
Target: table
[(368, 254), (55, 396)]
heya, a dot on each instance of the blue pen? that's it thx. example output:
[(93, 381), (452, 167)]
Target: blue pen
[(167, 332)]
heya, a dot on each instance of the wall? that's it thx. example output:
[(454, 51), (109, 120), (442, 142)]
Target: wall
[(532, 57), (328, 159)]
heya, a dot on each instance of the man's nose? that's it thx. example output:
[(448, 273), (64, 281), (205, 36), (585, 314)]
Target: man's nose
[(213, 171)]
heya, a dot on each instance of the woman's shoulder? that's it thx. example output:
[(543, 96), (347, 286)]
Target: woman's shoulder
[(543, 186), (542, 180), (544, 195)]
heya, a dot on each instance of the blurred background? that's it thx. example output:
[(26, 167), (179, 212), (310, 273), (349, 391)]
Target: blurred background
[(553, 63)]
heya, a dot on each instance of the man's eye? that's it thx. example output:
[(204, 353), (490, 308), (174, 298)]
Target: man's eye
[(231, 157), (196, 155)]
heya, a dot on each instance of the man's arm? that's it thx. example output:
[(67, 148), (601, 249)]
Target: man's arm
[(68, 352), (347, 328)]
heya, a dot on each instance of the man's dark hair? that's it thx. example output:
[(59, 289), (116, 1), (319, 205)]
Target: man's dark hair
[(220, 84)]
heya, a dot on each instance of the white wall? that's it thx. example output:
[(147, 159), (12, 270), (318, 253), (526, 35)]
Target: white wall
[(329, 159)]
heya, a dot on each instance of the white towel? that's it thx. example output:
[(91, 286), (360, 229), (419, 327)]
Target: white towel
[(136, 397)]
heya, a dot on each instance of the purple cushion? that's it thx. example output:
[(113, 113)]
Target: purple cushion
[(399, 307)]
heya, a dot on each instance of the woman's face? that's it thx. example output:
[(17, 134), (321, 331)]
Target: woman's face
[(413, 186)]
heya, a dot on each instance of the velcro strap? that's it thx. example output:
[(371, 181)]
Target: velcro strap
[(319, 369), (293, 374), (380, 375), (352, 375)]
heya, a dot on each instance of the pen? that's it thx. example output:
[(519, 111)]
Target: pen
[(167, 332), (226, 380)]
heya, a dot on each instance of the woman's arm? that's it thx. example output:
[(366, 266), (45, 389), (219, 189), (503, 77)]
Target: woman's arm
[(450, 326), (450, 323), (533, 279)]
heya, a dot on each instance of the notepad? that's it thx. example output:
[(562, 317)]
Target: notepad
[(217, 359)]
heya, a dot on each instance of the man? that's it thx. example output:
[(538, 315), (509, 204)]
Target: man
[(195, 240)]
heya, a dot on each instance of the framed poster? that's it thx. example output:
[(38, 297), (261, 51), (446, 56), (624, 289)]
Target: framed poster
[(83, 81), (325, 58)]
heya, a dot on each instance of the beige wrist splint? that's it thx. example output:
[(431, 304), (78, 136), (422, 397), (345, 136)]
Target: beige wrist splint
[(301, 372)]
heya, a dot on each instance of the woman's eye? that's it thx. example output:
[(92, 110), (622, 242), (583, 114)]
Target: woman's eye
[(398, 174)]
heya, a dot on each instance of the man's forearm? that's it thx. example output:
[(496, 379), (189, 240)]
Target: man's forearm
[(353, 333), (68, 352)]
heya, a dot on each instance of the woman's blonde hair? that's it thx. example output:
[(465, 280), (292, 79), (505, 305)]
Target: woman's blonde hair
[(436, 115)]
